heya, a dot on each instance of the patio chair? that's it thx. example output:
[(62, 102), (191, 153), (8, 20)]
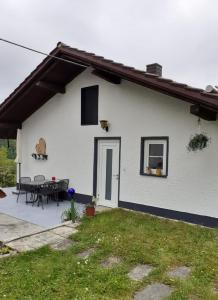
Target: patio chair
[(65, 184), (39, 178), (57, 188), (63, 188), (46, 190), (23, 186)]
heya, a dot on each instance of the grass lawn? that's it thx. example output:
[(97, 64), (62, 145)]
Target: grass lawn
[(135, 238)]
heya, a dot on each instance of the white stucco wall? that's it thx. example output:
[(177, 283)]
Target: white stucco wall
[(133, 112)]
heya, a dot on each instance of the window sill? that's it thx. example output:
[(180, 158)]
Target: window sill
[(153, 175), (89, 124)]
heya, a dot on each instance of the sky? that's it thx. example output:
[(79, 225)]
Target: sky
[(181, 35)]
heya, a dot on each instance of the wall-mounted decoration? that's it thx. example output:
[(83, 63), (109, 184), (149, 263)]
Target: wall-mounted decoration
[(40, 150), (41, 146), (104, 125), (199, 141), (40, 156)]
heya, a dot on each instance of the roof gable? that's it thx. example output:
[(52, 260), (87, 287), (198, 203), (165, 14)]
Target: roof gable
[(52, 75)]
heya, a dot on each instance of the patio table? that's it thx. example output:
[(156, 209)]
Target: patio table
[(34, 187)]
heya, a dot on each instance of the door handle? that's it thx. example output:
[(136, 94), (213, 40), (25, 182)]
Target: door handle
[(117, 176)]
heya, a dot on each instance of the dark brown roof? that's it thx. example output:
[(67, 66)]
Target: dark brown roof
[(30, 95)]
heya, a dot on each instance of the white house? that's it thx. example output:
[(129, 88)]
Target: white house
[(150, 121)]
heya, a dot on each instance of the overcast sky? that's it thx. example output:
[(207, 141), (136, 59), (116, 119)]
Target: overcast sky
[(181, 35)]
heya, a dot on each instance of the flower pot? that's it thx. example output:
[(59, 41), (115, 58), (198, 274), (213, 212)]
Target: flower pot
[(90, 211), (158, 172), (2, 194)]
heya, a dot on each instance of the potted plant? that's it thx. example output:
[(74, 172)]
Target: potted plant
[(198, 142), (148, 171), (90, 207), (159, 169), (2, 194)]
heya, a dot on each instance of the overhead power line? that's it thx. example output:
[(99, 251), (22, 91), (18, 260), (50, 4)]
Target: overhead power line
[(42, 53)]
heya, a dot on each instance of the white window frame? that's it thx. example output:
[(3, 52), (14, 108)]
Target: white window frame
[(145, 143)]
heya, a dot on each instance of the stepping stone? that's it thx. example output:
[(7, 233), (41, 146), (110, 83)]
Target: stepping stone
[(139, 272), (110, 262), (85, 254), (180, 272), (156, 291)]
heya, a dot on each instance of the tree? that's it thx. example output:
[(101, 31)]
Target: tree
[(10, 145), (7, 169)]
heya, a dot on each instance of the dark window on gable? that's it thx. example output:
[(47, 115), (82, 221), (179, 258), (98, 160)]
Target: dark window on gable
[(89, 105)]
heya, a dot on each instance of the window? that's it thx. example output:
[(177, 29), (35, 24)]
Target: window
[(89, 105), (154, 156)]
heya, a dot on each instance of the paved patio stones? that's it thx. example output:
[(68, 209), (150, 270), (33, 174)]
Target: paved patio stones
[(139, 272), (48, 217), (110, 262), (85, 254), (64, 231), (22, 236), (12, 228), (156, 291), (36, 241), (179, 272), (71, 224)]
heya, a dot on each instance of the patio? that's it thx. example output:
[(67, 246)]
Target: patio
[(48, 217)]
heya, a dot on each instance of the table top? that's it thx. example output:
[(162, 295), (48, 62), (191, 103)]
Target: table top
[(41, 182)]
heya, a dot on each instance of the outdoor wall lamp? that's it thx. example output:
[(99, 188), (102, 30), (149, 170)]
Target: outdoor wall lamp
[(104, 125)]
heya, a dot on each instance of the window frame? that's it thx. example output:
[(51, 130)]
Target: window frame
[(142, 154), (82, 121)]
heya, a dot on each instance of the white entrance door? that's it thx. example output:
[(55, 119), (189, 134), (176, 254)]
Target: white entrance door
[(108, 172)]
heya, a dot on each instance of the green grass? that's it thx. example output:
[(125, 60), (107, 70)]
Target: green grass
[(136, 238)]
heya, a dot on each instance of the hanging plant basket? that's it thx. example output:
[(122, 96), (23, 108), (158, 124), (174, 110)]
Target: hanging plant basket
[(197, 142)]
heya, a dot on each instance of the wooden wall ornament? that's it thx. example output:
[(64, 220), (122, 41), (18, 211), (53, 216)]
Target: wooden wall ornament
[(40, 150), (41, 147)]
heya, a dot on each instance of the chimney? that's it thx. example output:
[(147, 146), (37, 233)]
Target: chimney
[(154, 69)]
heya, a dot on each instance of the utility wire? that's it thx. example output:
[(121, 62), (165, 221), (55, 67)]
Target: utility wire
[(42, 53)]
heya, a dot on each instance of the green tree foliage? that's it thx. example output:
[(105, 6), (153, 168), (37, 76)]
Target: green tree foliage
[(10, 145), (7, 167)]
